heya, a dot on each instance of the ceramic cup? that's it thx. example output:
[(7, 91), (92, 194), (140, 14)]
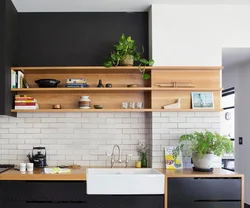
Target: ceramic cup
[(22, 167), (30, 167)]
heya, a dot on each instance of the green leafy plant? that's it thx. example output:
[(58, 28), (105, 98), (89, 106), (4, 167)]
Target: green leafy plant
[(208, 142), (127, 48)]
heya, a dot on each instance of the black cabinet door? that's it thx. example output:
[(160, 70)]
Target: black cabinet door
[(20, 204), (204, 192), (129, 201), (43, 191)]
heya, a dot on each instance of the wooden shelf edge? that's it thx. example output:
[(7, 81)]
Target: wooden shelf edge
[(113, 110), (118, 67), (113, 89), (80, 89)]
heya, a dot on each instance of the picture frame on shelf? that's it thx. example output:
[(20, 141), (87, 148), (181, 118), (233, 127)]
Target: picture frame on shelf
[(202, 100)]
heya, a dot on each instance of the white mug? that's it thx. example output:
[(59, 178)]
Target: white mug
[(30, 167), (22, 167)]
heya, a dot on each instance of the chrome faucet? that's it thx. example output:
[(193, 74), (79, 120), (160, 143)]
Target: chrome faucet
[(113, 161), (119, 160)]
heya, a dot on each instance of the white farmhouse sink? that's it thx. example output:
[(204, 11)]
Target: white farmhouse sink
[(124, 181)]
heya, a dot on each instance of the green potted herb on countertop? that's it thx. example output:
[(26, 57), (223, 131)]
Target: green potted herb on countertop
[(203, 147), (125, 53)]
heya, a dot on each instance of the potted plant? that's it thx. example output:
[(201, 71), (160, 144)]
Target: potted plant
[(125, 53), (203, 147)]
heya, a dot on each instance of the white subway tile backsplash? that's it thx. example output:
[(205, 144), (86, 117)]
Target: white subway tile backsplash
[(186, 125), (123, 126), (5, 152), (203, 125), (32, 120), (17, 131), (73, 115), (169, 114), (4, 131), (130, 120), (130, 131), (4, 141), (185, 114), (85, 138), (106, 115), (32, 131), (16, 141)]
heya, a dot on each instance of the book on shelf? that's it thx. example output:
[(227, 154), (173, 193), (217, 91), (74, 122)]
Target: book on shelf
[(18, 80), (26, 104), (26, 107)]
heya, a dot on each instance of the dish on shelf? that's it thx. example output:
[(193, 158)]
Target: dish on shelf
[(132, 85), (44, 83), (98, 106), (57, 106)]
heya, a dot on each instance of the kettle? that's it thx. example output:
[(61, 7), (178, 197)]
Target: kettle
[(39, 159)]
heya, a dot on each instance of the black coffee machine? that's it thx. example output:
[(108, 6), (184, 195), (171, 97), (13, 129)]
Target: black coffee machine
[(38, 157)]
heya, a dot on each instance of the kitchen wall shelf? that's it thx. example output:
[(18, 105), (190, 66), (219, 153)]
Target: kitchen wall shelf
[(205, 78), (113, 110), (62, 68), (113, 89)]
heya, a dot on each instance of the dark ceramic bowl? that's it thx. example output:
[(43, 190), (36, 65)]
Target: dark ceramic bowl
[(98, 106), (47, 83)]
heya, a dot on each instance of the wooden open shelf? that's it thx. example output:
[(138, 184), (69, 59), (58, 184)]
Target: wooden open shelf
[(204, 78), (113, 110), (112, 89), (61, 68)]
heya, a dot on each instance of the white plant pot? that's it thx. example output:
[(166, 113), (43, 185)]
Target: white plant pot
[(206, 162)]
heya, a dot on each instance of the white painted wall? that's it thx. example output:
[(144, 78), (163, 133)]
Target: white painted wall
[(195, 35)]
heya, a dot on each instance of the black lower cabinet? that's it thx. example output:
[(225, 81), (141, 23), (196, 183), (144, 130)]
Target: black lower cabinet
[(67, 194), (42, 204), (128, 201), (204, 192)]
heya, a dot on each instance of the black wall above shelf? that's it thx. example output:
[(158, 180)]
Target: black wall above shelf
[(75, 39)]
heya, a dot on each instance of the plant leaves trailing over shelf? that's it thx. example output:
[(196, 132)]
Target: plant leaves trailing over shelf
[(128, 47)]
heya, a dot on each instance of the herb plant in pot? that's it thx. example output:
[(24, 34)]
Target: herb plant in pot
[(203, 147), (125, 53)]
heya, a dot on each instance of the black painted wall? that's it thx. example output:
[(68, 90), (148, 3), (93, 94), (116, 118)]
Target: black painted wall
[(8, 44), (73, 39)]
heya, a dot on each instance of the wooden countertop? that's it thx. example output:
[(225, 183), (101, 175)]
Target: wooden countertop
[(80, 174)]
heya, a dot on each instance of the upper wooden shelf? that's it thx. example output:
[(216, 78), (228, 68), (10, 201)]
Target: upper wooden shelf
[(114, 89), (118, 67), (114, 110)]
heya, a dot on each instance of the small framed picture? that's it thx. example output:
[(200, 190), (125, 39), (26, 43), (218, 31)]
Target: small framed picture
[(202, 100)]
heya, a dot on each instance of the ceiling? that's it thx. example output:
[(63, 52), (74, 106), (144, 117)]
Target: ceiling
[(106, 5), (232, 57)]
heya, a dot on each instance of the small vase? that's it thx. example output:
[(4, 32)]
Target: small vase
[(84, 102), (144, 160), (100, 83)]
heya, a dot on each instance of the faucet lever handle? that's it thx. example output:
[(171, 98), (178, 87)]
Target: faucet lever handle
[(127, 159)]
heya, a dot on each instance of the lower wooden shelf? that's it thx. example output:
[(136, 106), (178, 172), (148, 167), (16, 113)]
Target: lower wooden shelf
[(113, 110)]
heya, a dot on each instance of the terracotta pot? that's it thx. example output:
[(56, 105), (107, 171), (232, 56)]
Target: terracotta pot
[(128, 60)]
